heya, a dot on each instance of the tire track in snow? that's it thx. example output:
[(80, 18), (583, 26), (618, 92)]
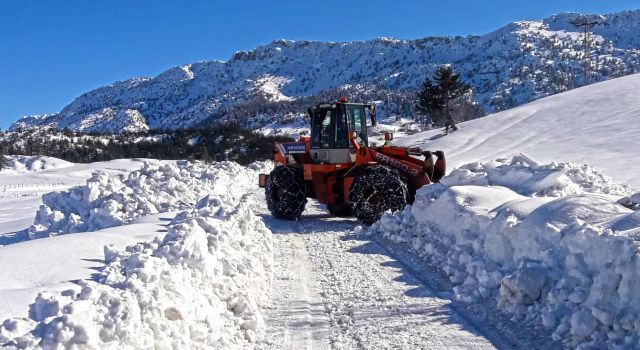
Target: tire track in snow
[(445, 295), (368, 299), (297, 319), (377, 305)]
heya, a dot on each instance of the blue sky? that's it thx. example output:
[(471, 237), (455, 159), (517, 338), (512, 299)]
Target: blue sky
[(52, 51)]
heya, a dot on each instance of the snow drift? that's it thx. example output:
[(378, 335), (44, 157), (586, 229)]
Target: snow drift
[(547, 242), (107, 201), (596, 125), (200, 286), (34, 163)]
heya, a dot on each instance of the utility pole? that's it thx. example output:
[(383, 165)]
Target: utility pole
[(586, 23)]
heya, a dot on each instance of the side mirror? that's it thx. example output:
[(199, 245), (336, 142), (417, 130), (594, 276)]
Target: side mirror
[(388, 136), (353, 135)]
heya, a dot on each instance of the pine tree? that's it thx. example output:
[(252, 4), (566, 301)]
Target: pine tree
[(438, 95)]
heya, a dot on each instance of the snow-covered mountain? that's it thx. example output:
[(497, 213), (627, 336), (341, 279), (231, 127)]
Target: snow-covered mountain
[(515, 64)]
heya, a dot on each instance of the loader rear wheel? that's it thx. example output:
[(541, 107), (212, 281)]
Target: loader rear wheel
[(340, 209), (375, 191), (285, 192)]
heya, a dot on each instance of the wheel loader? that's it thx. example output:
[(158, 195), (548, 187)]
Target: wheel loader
[(336, 166)]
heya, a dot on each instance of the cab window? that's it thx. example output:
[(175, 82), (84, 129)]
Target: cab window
[(322, 130), (341, 140), (357, 118)]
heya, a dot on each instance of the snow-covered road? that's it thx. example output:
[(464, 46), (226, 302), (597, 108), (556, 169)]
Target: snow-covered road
[(419, 278), (333, 290)]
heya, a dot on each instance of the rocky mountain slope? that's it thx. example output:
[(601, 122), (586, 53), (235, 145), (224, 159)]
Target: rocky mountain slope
[(515, 64)]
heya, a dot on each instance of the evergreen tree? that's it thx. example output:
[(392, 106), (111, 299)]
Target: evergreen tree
[(439, 94)]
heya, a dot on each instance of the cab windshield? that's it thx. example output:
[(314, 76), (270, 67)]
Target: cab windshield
[(330, 126)]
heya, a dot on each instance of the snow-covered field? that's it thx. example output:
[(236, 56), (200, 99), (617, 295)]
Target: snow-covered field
[(26, 179), (526, 243), (189, 279), (596, 125)]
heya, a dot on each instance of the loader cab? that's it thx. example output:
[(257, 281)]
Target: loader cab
[(330, 127)]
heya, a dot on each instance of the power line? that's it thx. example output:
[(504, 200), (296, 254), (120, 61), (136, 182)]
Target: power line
[(586, 23)]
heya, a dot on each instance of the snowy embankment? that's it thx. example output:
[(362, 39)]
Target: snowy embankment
[(547, 242), (596, 125), (23, 183), (107, 201), (200, 285)]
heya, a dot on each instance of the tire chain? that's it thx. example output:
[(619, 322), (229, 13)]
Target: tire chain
[(293, 199), (387, 183)]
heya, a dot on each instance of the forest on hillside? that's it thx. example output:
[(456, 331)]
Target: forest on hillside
[(214, 143)]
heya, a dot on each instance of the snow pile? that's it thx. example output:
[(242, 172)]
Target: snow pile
[(525, 176), (107, 201), (544, 244), (201, 286), (34, 163)]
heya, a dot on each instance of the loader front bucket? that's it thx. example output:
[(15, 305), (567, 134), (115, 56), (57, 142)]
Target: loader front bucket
[(428, 164), (440, 167)]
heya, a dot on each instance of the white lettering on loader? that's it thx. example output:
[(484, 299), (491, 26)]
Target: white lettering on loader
[(396, 164)]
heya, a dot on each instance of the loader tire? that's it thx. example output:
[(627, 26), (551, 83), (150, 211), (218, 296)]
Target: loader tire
[(375, 191), (285, 192), (340, 210)]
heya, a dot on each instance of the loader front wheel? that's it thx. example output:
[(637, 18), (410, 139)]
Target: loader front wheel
[(375, 191), (285, 192)]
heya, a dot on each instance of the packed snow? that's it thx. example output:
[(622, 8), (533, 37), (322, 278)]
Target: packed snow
[(553, 243), (200, 284), (107, 201), (547, 238), (546, 242)]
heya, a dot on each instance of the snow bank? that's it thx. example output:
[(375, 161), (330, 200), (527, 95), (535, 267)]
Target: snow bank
[(525, 176), (34, 163), (107, 201), (201, 286), (546, 242)]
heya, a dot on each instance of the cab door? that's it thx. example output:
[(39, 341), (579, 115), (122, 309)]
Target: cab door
[(358, 122), (329, 141)]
